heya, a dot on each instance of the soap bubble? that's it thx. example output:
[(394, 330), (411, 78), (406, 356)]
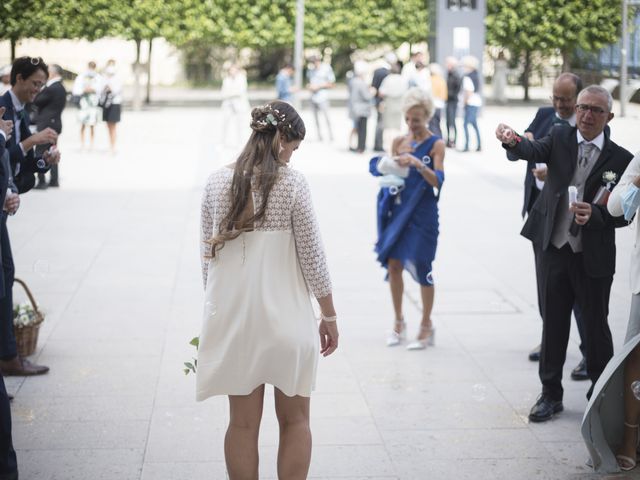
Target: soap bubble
[(41, 267), (635, 388), (479, 392)]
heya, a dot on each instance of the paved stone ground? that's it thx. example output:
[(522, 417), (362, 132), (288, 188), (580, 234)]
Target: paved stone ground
[(112, 257)]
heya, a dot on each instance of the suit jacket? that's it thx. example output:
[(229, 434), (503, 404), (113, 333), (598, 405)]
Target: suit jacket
[(25, 164), (559, 151), (540, 127), (376, 81), (614, 205), (49, 104), (4, 184)]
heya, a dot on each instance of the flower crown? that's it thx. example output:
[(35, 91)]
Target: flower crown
[(274, 117)]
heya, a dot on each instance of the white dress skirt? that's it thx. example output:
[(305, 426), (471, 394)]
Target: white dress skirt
[(259, 326)]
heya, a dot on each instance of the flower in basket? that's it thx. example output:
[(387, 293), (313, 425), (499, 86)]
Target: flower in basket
[(24, 315)]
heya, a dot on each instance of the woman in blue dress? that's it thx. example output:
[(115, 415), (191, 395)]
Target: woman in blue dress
[(408, 218)]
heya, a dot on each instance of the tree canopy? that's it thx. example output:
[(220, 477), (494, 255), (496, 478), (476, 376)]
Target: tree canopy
[(552, 25), (240, 23)]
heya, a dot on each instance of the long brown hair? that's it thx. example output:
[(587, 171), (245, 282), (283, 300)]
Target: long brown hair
[(258, 161)]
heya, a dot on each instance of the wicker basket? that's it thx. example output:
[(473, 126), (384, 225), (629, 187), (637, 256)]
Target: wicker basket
[(27, 337)]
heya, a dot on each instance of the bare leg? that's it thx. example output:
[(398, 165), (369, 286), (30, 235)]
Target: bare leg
[(92, 135), (112, 136), (316, 108), (396, 283), (82, 135), (325, 113), (631, 404), (427, 294), (294, 451), (241, 440)]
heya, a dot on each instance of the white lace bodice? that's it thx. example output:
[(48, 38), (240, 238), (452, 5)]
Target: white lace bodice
[(289, 208)]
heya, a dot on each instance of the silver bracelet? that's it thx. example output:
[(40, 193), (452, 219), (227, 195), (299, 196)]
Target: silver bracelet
[(323, 317)]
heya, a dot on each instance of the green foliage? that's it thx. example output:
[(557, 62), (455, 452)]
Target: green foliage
[(27, 18), (264, 24), (546, 25), (192, 366)]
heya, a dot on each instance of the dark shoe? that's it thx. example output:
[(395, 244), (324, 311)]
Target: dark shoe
[(580, 372), (21, 367), (544, 409), (41, 186), (534, 355), (54, 183)]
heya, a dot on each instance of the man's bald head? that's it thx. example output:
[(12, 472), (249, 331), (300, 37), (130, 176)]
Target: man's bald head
[(565, 94)]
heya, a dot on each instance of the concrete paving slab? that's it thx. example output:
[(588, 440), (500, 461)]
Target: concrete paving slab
[(113, 257)]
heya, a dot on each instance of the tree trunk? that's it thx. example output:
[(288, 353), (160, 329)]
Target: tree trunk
[(137, 103), (14, 41), (566, 61), (147, 99), (526, 74)]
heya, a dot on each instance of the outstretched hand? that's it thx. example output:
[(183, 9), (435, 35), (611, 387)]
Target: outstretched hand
[(505, 133), (5, 125)]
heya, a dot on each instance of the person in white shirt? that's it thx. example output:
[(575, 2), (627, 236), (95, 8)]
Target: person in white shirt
[(87, 88), (111, 101), (235, 103), (5, 79), (472, 99), (625, 200), (321, 79)]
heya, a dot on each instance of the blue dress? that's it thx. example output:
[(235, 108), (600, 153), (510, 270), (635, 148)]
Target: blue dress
[(408, 221)]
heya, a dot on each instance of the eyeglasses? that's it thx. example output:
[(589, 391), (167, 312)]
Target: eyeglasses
[(556, 99), (583, 107)]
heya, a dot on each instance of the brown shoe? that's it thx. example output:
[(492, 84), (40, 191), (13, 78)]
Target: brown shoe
[(21, 367)]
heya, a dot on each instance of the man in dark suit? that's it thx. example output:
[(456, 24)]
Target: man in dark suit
[(576, 241), (28, 76), (49, 104), (8, 460), (565, 93), (379, 74)]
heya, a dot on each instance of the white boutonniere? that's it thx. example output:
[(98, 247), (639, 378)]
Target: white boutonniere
[(609, 180), (609, 176)]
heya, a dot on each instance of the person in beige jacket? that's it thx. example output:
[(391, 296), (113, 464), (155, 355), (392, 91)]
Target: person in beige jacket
[(625, 200)]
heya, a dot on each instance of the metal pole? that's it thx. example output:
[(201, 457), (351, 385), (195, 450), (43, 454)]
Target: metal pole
[(298, 50), (623, 61)]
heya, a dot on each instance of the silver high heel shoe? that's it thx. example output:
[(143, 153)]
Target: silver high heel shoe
[(429, 340), (396, 338)]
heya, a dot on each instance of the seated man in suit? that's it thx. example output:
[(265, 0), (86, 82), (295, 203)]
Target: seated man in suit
[(565, 93), (49, 104), (576, 241), (28, 75)]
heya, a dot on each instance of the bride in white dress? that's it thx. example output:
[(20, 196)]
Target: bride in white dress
[(262, 258)]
